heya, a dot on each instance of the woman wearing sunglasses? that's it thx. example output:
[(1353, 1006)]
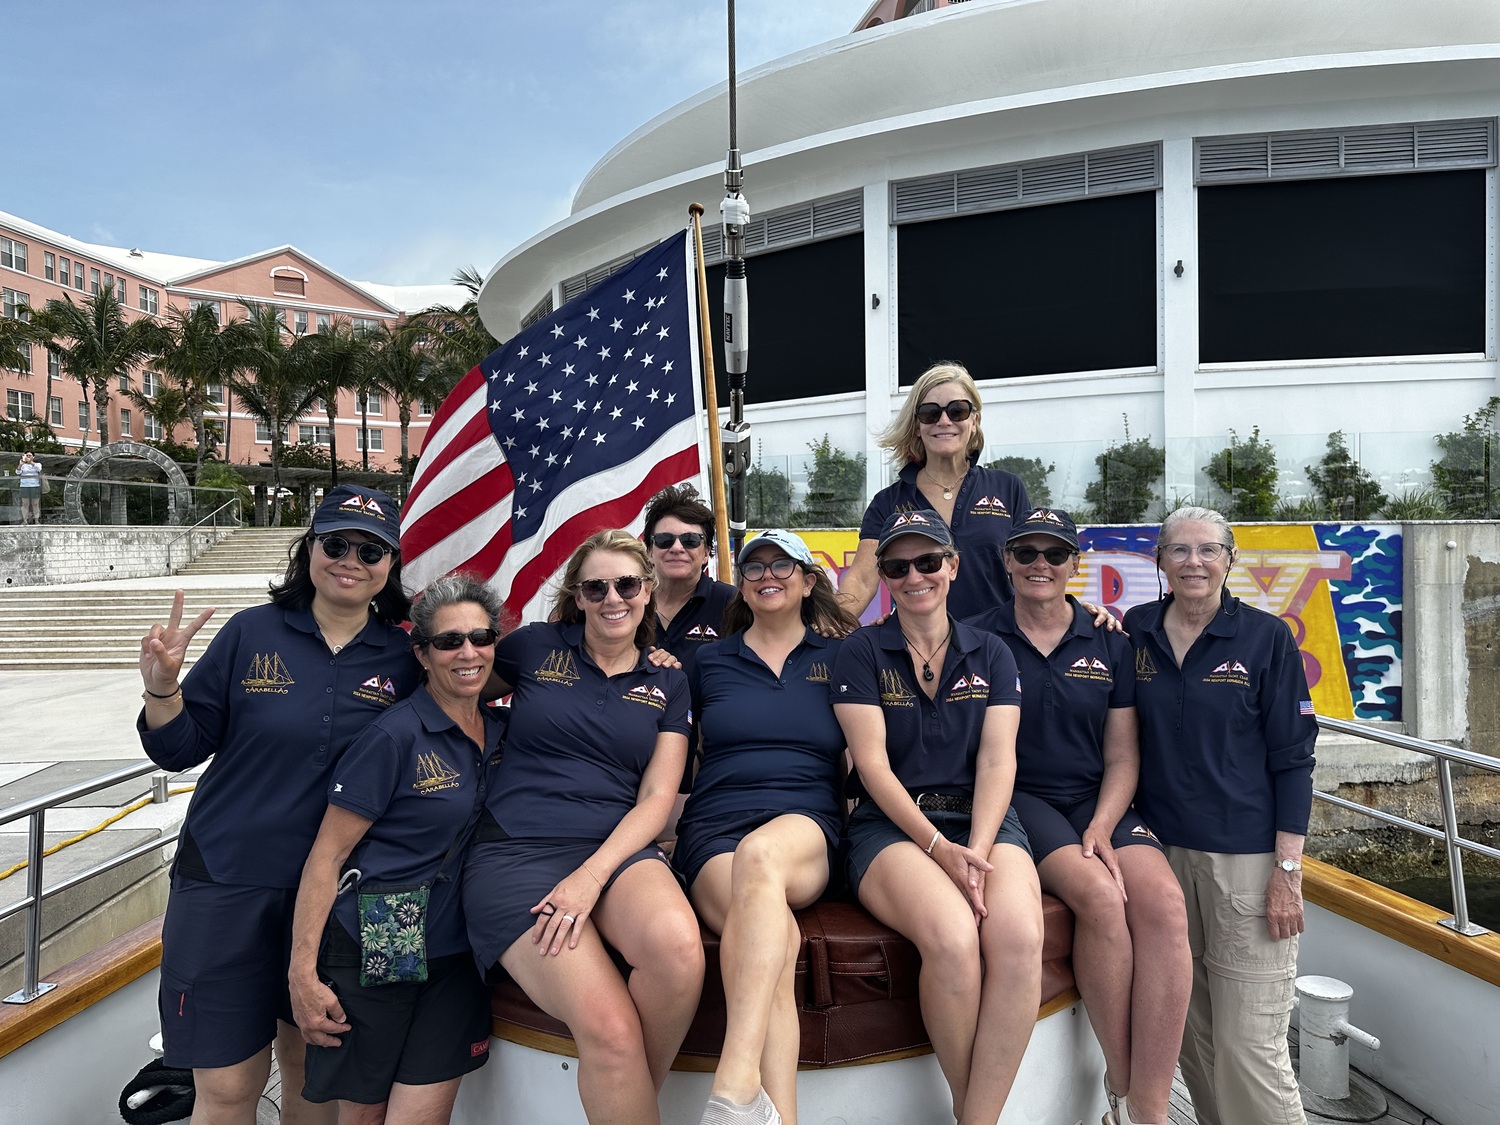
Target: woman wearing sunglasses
[(930, 709), (1077, 761), (763, 820), (275, 700), (690, 604), (564, 868), (383, 985)]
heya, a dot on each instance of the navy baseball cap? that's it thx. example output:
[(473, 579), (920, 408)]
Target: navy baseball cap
[(922, 521), (1046, 521), (351, 508), (777, 537)]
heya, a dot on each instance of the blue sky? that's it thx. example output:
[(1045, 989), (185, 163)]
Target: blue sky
[(394, 141)]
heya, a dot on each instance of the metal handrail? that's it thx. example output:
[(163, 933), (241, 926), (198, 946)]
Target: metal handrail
[(213, 515), (1455, 844), (36, 810)]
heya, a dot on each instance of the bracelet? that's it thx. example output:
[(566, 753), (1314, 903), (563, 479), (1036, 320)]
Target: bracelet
[(153, 695), (592, 876), (936, 835)]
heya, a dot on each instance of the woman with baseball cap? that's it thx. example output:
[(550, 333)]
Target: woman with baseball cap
[(275, 700), (930, 708)]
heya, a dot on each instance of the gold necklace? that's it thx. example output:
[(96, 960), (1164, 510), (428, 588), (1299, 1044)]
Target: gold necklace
[(947, 488), (927, 658)]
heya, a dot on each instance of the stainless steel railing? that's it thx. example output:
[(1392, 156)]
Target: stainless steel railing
[(232, 503), (1456, 845), (36, 809)]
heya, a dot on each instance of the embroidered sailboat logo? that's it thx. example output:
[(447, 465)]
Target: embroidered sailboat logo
[(1145, 667), (558, 668), (433, 774), (267, 674), (893, 690)]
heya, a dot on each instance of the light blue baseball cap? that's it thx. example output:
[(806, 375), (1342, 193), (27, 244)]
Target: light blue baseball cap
[(778, 537)]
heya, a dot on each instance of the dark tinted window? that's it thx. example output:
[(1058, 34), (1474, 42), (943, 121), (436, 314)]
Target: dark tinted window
[(807, 321), (1033, 291), (1320, 269)]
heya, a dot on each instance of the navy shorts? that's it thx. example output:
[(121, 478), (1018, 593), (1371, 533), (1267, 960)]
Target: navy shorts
[(225, 950), (504, 879), (1051, 826), (698, 842), (414, 1034), (871, 832)]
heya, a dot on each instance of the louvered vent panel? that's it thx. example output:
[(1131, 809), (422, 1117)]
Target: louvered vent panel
[(755, 236), (838, 216), (1234, 158), (1367, 149), (1054, 179), (1126, 169), (713, 244), (932, 195), (542, 309), (789, 226), (1449, 144), (1302, 154), (987, 189)]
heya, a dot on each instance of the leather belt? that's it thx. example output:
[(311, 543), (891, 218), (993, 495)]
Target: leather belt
[(943, 802)]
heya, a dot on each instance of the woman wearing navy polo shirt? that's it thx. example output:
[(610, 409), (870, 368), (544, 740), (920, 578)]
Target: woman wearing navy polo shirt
[(400, 808), (276, 698), (765, 813), (1077, 757), (934, 754), (1227, 734), (565, 861)]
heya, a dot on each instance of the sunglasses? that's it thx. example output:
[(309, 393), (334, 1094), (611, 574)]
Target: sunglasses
[(370, 553), (957, 411), (479, 638), (925, 564), (597, 589), (690, 540), (1055, 556), (779, 568)]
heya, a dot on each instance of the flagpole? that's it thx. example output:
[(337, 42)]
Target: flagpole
[(711, 403)]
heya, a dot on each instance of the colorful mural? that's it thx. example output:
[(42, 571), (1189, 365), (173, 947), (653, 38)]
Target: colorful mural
[(1338, 586)]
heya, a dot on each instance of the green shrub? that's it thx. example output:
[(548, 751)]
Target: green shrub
[(1127, 471), (216, 474), (1346, 491), (835, 488), (1245, 471), (17, 437), (1033, 474), (1465, 474), (768, 497), (1416, 504)]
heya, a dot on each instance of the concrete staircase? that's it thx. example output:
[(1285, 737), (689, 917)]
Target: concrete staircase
[(250, 550)]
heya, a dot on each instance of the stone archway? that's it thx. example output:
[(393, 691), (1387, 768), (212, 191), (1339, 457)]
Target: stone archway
[(179, 492)]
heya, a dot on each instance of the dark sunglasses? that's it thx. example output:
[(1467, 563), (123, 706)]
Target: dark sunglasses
[(779, 568), (1055, 556), (597, 589), (690, 540), (370, 553), (957, 410), (925, 564), (479, 638)]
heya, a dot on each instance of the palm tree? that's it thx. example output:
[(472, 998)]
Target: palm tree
[(197, 356), (459, 338), (15, 341), (94, 345), (275, 379), (339, 360), (169, 406), (400, 365)]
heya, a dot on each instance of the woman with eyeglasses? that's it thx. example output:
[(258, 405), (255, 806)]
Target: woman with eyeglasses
[(564, 868), (278, 696), (930, 708), (755, 840), (1077, 758), (383, 985), (1227, 734)]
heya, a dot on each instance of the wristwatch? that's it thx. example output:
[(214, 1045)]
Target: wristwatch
[(1289, 865)]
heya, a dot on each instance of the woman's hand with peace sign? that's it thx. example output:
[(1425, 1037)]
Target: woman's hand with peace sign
[(163, 649)]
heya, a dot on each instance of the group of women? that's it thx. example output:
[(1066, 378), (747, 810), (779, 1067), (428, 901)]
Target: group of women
[(987, 725)]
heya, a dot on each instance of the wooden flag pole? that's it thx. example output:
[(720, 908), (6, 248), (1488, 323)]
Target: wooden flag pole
[(711, 402)]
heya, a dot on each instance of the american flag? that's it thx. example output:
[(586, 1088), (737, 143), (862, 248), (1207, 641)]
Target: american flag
[(569, 427)]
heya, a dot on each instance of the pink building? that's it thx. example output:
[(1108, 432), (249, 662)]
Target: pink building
[(38, 265)]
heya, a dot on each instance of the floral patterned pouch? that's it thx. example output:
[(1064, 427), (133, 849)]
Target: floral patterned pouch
[(393, 934)]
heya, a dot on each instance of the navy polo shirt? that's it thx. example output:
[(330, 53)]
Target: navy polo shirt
[(987, 503), (1227, 739), (276, 710), (769, 741), (420, 779), (579, 740), (1067, 695), (932, 744), (697, 623)]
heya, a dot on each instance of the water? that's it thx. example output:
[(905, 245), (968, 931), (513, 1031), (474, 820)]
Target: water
[(1483, 896)]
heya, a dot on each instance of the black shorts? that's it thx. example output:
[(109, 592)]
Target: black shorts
[(871, 832), (414, 1034), (225, 950), (1051, 826)]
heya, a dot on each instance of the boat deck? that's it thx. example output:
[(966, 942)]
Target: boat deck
[(1397, 1111)]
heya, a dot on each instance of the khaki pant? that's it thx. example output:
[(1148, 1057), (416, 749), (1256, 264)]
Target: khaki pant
[(1234, 1050)]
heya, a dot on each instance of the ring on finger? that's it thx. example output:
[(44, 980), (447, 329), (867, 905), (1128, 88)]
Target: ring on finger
[(548, 910), (569, 919)]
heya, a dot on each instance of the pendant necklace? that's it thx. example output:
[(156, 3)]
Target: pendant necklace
[(927, 658), (947, 488)]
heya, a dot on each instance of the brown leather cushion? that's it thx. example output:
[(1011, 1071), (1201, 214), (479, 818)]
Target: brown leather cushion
[(856, 984)]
